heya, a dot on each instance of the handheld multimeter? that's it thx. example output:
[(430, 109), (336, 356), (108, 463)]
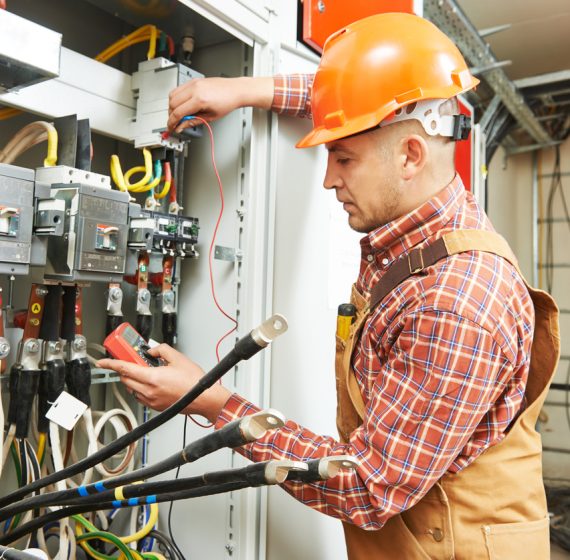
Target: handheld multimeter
[(125, 343)]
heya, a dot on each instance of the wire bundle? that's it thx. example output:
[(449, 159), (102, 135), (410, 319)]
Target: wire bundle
[(555, 186), (150, 179), (141, 35), (30, 135)]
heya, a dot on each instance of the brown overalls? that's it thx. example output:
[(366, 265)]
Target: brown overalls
[(495, 508)]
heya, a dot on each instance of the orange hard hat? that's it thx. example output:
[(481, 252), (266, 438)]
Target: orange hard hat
[(376, 65)]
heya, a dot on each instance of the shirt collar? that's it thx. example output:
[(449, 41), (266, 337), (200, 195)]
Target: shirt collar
[(400, 235)]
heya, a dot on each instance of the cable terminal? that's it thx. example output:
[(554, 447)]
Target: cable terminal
[(256, 425), (269, 330), (329, 467), (276, 471)]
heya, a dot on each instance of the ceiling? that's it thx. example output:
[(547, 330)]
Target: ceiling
[(538, 41)]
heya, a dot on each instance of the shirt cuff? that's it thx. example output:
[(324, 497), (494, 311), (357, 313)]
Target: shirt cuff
[(292, 94), (236, 407)]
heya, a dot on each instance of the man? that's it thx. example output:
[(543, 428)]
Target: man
[(434, 394)]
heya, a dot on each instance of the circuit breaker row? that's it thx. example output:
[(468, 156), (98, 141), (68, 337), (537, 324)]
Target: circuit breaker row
[(71, 223)]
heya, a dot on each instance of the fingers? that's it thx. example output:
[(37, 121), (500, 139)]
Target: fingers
[(165, 352), (182, 101), (125, 369)]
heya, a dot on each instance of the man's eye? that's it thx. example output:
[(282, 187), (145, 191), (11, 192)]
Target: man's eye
[(342, 161)]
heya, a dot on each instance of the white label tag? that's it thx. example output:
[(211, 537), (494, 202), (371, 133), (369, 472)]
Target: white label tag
[(66, 411)]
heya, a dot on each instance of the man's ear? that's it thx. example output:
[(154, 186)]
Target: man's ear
[(415, 154)]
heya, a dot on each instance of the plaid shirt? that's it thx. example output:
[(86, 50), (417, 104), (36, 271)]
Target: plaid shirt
[(442, 365), (292, 95)]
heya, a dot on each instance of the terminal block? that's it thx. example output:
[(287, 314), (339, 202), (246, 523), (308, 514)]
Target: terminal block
[(175, 234)]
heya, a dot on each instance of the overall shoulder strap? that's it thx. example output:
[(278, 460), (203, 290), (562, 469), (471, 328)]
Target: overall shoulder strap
[(458, 241)]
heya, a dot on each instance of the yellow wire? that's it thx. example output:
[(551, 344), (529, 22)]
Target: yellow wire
[(140, 186), (123, 46), (164, 190), (141, 533), (41, 446), (152, 45), (90, 551), (117, 173), (51, 159), (133, 170), (144, 531), (144, 33), (146, 177), (154, 183), (119, 43)]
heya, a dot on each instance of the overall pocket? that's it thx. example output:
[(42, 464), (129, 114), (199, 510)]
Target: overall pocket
[(516, 541)]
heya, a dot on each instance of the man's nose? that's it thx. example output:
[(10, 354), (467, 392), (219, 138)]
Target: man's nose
[(332, 179)]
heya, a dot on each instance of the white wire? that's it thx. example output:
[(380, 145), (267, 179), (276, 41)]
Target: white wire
[(8, 442), (110, 417), (92, 446), (57, 457)]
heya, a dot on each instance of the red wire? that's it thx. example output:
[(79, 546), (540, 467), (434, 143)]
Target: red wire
[(172, 197), (212, 244), (170, 45)]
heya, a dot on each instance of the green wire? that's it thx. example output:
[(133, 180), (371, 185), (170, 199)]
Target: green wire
[(109, 537), (18, 469), (16, 460), (162, 42)]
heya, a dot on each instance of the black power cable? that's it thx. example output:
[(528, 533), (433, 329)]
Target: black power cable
[(234, 434), (171, 506), (167, 544), (244, 349), (254, 475)]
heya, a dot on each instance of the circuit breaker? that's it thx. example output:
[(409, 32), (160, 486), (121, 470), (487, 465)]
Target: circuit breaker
[(94, 245), (16, 218)]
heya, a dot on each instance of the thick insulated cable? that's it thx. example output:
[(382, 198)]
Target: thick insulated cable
[(235, 434), (258, 474), (245, 348), (254, 475)]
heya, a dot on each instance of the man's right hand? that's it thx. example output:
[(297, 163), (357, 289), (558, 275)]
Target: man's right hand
[(213, 98), (160, 387)]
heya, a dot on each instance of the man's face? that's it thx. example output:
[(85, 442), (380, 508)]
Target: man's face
[(363, 173)]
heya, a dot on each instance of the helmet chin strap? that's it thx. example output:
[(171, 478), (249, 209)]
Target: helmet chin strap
[(427, 113)]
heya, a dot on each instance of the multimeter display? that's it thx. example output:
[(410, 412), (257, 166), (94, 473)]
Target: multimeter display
[(125, 343)]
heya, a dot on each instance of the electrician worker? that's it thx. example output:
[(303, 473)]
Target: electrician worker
[(438, 390)]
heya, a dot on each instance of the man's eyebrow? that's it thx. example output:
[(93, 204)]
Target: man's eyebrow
[(339, 148)]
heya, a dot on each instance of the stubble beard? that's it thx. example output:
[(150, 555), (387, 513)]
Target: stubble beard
[(385, 214)]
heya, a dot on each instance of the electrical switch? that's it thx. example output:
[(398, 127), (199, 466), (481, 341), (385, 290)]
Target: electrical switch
[(9, 221), (107, 237)]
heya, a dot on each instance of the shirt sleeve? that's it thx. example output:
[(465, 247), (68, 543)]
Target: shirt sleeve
[(292, 94), (439, 380)]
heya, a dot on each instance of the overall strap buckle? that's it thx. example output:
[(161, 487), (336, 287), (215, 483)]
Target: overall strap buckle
[(416, 261)]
